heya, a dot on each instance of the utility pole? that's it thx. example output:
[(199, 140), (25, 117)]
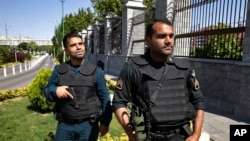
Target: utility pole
[(7, 42), (6, 28)]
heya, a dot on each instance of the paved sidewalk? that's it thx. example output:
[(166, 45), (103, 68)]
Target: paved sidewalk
[(217, 124)]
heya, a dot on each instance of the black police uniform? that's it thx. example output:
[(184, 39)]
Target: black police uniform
[(167, 93)]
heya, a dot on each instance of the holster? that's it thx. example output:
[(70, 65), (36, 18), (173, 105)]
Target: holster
[(137, 121), (139, 126)]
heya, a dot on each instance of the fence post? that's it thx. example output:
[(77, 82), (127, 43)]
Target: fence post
[(4, 71), (20, 66), (29, 65), (13, 70), (25, 66)]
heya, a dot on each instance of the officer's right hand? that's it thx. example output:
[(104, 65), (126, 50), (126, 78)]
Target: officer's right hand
[(61, 92)]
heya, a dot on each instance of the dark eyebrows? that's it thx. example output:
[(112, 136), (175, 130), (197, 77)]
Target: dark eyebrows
[(165, 35), (79, 43)]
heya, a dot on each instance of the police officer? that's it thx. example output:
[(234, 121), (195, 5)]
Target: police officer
[(79, 90), (161, 91)]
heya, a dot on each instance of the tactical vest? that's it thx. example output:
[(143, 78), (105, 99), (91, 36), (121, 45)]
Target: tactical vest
[(84, 86), (171, 105)]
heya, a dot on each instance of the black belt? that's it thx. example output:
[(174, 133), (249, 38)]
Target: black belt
[(74, 121), (164, 133), (168, 127), (91, 118)]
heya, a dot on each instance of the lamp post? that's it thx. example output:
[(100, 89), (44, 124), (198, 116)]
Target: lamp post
[(56, 35), (62, 1)]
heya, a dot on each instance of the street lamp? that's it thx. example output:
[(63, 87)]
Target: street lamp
[(62, 1), (56, 35)]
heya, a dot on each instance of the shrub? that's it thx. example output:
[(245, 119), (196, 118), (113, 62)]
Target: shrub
[(28, 56), (35, 92), (9, 94)]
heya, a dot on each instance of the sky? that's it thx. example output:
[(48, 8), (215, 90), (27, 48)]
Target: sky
[(35, 18)]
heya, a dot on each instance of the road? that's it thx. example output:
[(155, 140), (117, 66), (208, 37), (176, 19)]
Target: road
[(20, 80)]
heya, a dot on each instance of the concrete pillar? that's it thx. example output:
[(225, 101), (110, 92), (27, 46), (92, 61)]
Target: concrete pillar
[(107, 36), (164, 9), (88, 43), (130, 9), (96, 37)]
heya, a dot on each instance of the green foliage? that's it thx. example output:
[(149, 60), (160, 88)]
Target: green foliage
[(107, 6), (28, 57), (10, 94), (23, 46), (35, 92), (223, 46), (3, 54), (28, 46)]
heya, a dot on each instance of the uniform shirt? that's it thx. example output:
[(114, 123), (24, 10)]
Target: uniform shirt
[(103, 93), (125, 89)]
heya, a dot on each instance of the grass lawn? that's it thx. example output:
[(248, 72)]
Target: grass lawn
[(20, 123)]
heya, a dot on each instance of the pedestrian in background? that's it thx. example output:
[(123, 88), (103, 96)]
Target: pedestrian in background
[(82, 101), (160, 90)]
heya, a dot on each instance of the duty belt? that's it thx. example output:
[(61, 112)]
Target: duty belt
[(61, 118), (166, 135), (176, 133), (74, 121)]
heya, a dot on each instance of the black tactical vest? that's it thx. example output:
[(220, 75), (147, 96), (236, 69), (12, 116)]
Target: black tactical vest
[(171, 104), (85, 90)]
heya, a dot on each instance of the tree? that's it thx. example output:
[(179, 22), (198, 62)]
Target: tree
[(103, 7), (3, 54), (22, 46)]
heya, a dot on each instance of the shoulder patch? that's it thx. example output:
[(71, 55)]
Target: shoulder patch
[(119, 84), (196, 84)]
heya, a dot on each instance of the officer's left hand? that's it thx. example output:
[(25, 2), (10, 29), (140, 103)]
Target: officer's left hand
[(103, 129), (61, 92), (192, 138)]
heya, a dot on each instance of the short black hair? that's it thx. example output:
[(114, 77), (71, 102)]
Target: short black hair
[(149, 28), (68, 36)]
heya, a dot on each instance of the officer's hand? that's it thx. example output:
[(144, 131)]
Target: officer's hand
[(61, 92), (103, 129), (192, 138)]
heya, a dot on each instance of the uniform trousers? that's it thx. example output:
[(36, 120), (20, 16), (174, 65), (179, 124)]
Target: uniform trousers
[(84, 131)]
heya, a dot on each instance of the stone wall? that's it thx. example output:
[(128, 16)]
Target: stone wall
[(225, 85)]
